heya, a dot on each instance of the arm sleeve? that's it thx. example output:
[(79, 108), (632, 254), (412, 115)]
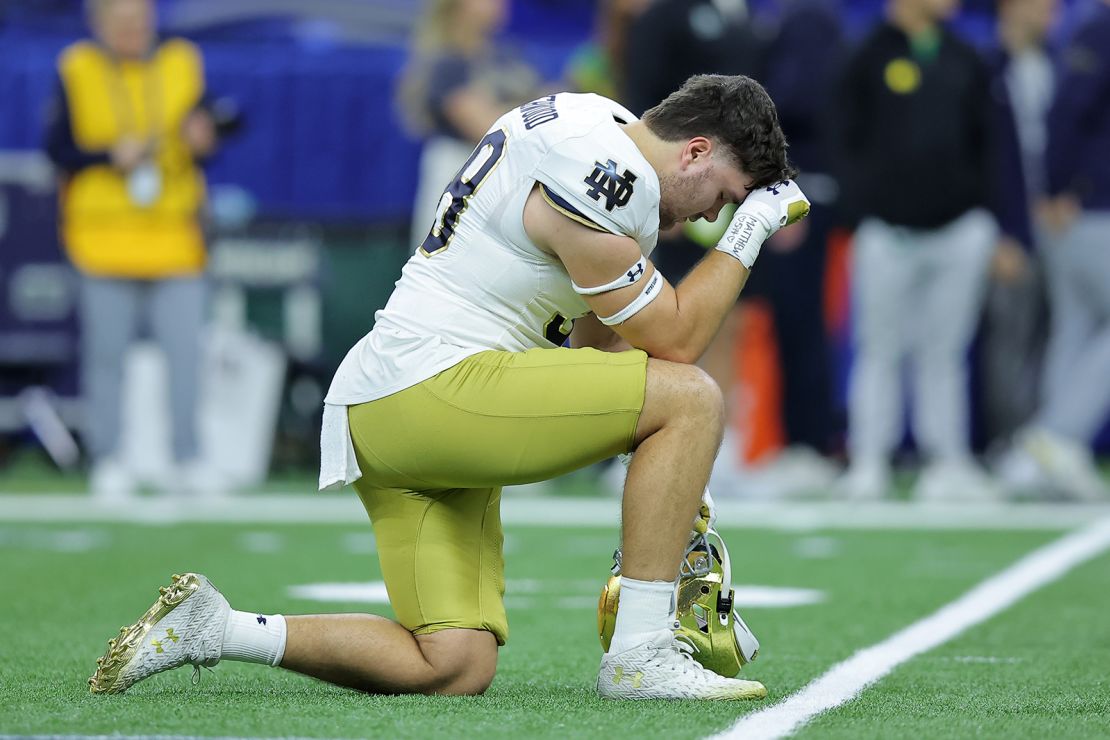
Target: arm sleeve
[(1008, 199), (848, 114), (1082, 87), (801, 65), (979, 130), (58, 139), (446, 76)]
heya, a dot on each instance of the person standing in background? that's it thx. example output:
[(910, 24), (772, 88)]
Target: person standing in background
[(457, 82), (1055, 448), (913, 114), (667, 43), (126, 129), (799, 71), (598, 65), (672, 39), (1012, 336)]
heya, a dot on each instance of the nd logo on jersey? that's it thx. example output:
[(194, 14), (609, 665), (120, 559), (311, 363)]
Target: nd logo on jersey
[(604, 181)]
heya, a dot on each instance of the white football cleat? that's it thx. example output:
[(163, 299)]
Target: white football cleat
[(664, 669), (1069, 466), (185, 625), (863, 481), (957, 481), (111, 482)]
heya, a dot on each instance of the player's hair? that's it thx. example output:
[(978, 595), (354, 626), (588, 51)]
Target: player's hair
[(735, 111)]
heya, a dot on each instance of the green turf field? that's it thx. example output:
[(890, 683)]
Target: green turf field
[(1037, 670)]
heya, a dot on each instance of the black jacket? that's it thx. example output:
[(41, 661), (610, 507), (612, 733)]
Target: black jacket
[(1078, 151), (912, 130), (674, 39)]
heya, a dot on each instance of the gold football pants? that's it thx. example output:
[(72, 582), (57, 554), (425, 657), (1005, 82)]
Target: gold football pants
[(435, 456)]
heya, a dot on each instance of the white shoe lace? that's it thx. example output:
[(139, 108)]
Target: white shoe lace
[(678, 657), (195, 680)]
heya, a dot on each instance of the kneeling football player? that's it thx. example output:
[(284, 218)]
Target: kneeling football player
[(530, 335)]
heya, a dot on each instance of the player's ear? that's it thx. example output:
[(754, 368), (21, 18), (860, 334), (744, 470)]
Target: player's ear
[(697, 152)]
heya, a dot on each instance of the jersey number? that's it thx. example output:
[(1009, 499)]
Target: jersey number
[(557, 329), (454, 199)]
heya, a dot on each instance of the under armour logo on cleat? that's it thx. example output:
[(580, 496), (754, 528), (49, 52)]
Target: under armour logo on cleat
[(157, 644), (618, 674), (261, 619)]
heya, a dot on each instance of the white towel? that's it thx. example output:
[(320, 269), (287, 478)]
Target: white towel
[(338, 466)]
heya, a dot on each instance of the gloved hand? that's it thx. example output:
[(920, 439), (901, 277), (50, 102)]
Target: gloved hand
[(762, 213)]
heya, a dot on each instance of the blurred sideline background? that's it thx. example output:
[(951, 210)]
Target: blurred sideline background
[(308, 226)]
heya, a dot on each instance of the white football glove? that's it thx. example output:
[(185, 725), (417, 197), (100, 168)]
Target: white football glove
[(762, 213)]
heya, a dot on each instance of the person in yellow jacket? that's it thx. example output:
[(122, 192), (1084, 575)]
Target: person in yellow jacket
[(126, 130)]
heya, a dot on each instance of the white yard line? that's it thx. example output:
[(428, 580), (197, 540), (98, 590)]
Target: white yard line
[(846, 680), (344, 508)]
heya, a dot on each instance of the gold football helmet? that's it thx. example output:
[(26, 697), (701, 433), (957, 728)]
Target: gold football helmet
[(705, 618)]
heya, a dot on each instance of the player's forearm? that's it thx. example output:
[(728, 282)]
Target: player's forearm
[(706, 295), (703, 299), (691, 314)]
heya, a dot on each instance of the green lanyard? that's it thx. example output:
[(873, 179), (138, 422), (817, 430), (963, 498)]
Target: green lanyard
[(925, 46)]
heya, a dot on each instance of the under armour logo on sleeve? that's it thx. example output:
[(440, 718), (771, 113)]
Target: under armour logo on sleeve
[(635, 273)]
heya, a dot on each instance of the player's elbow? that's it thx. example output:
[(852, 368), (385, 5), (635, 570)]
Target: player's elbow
[(671, 341), (683, 357), (679, 352)]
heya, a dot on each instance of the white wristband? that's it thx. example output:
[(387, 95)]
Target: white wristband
[(743, 238), (651, 291)]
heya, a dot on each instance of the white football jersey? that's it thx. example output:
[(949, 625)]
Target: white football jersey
[(477, 282)]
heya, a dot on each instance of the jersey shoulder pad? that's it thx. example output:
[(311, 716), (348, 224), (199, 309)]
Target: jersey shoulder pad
[(600, 179)]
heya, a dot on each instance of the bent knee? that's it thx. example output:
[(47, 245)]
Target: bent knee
[(462, 662), (679, 393), (471, 682), (705, 392)]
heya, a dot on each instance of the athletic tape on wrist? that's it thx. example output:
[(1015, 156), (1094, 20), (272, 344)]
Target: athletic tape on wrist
[(743, 238), (631, 277), (651, 291)]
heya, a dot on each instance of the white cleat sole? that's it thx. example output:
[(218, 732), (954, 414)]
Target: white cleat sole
[(655, 670), (745, 691)]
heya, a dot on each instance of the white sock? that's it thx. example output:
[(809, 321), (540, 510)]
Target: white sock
[(254, 638), (645, 609)]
